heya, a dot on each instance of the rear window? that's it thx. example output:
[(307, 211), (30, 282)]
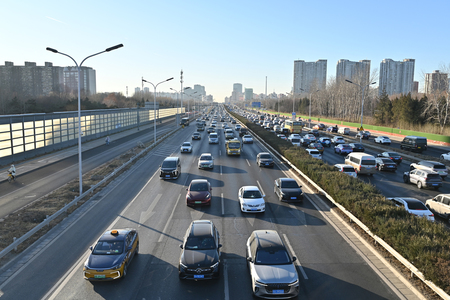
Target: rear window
[(295, 140), (434, 176), (367, 162), (348, 169), (416, 205), (314, 152)]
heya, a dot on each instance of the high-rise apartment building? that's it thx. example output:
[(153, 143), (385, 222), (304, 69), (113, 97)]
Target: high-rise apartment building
[(237, 92), (200, 89), (309, 76), (248, 94), (436, 82), (359, 72), (30, 80), (396, 77)]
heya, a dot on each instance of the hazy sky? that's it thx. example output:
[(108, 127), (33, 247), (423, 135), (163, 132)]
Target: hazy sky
[(218, 43)]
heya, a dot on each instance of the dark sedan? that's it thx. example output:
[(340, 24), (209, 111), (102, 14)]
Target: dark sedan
[(287, 189), (199, 192), (357, 147), (397, 158), (385, 164), (264, 159)]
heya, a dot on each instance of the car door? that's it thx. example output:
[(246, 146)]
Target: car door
[(413, 176), (277, 187)]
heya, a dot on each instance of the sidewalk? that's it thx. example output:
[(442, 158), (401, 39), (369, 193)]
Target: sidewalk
[(47, 159)]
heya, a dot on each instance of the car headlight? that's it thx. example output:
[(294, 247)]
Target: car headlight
[(263, 205), (117, 266), (183, 266), (208, 196), (188, 196), (283, 194), (293, 283), (214, 266), (244, 205), (259, 283)]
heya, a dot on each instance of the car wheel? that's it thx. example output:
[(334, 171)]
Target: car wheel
[(125, 269), (419, 184), (136, 252)]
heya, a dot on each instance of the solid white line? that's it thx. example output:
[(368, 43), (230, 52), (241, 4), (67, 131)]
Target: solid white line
[(248, 162), (223, 207), (225, 280), (220, 169), (293, 253), (69, 274), (163, 233), (260, 187)]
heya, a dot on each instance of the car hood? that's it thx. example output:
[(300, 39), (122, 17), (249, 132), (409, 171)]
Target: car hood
[(291, 191), (276, 273), (253, 201), (198, 195), (205, 161), (103, 261), (199, 258)]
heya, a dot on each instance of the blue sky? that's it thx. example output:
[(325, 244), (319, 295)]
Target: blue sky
[(218, 43)]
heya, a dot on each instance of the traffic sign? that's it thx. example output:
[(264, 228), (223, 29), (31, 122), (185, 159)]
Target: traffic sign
[(361, 129), (293, 113)]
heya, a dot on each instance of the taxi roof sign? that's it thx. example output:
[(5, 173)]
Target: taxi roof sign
[(114, 232)]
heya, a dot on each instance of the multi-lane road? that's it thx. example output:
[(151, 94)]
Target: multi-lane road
[(328, 266)]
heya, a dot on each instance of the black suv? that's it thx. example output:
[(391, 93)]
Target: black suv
[(264, 159), (170, 168), (287, 189), (200, 254), (243, 131)]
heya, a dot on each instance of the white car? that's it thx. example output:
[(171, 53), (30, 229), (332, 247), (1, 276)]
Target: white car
[(282, 136), (347, 169), (247, 139), (310, 137), (186, 147), (314, 153), (213, 138), (445, 156), (382, 140), (344, 130), (251, 199), (294, 140), (413, 206), (206, 161)]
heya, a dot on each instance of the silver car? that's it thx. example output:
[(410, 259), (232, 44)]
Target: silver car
[(186, 147), (206, 161), (272, 270), (213, 138)]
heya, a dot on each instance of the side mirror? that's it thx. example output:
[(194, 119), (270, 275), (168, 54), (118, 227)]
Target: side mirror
[(263, 196), (220, 246), (294, 258), (181, 246), (301, 186), (249, 259), (129, 248), (186, 189), (91, 248)]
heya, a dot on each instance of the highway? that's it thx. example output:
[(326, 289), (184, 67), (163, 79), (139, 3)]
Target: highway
[(328, 266)]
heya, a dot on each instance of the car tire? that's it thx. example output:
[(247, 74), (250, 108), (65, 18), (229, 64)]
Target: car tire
[(419, 184), (136, 252), (125, 270)]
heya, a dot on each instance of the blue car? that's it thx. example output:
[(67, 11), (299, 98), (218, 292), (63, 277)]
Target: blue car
[(343, 149), (325, 141)]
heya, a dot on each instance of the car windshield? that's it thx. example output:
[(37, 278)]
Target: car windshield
[(393, 154), (247, 136), (386, 160), (108, 248), (199, 186), (265, 156), (357, 145), (289, 184), (348, 169), (169, 164), (252, 194), (213, 136), (186, 144), (200, 243), (272, 257), (206, 157), (416, 205), (234, 145), (346, 147), (440, 167)]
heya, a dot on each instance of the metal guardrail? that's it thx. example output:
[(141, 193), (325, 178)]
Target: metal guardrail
[(385, 245), (47, 221)]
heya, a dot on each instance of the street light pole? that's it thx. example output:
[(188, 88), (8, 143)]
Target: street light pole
[(362, 103), (310, 96), (80, 175), (176, 123), (154, 104)]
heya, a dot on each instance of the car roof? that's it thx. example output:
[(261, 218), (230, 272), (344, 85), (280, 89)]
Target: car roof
[(201, 228), (170, 158), (205, 154), (286, 179), (120, 236), (268, 239), (250, 188), (263, 153), (198, 180)]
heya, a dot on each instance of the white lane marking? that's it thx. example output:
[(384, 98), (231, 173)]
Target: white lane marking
[(145, 215), (223, 207), (260, 187), (225, 280), (220, 169), (251, 219), (57, 288), (248, 162), (220, 152), (30, 196), (293, 253), (163, 233)]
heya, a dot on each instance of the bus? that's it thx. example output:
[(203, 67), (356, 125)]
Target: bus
[(233, 147), (293, 126)]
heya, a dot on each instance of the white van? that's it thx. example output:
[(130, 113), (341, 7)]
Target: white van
[(344, 130), (362, 162)]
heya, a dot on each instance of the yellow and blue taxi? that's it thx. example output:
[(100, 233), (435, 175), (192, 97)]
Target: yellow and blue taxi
[(110, 257)]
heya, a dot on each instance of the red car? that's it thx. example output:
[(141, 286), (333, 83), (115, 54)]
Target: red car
[(199, 192)]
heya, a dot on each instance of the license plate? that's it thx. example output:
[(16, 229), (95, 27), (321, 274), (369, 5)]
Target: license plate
[(198, 202), (199, 276), (292, 198), (267, 164), (254, 209), (167, 176), (278, 291), (434, 184), (99, 276)]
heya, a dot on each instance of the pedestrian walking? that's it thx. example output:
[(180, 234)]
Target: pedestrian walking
[(107, 140)]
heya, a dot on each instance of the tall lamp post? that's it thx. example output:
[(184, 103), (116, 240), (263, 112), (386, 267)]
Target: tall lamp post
[(310, 96), (80, 175), (362, 103), (176, 121), (154, 103)]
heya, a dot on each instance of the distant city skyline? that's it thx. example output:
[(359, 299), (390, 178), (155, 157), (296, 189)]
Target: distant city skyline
[(215, 59)]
